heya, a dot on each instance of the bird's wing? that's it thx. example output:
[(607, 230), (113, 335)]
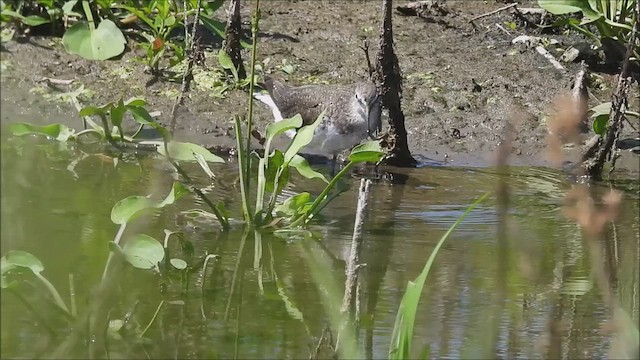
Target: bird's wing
[(305, 100)]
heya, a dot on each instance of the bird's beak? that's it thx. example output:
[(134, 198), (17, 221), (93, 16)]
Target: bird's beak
[(374, 120)]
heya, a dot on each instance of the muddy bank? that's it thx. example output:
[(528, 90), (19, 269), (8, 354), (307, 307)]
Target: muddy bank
[(461, 82)]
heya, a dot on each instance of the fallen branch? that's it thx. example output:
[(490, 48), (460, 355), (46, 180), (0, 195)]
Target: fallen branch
[(493, 12)]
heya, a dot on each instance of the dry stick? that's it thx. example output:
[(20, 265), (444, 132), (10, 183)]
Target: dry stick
[(493, 12), (351, 272), (595, 156), (186, 76)]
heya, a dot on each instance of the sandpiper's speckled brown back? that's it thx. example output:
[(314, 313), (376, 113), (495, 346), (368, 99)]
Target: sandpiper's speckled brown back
[(310, 100)]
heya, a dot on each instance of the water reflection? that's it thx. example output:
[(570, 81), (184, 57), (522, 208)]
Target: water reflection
[(526, 289)]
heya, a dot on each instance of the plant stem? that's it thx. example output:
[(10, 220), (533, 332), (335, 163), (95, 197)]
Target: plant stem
[(89, 15), (254, 37), (152, 319), (241, 170), (311, 212), (116, 240), (53, 291)]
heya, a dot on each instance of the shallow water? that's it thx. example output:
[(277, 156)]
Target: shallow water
[(515, 286)]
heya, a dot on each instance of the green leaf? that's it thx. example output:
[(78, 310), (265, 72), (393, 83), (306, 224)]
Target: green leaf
[(303, 137), (140, 114), (276, 128), (57, 131), (136, 102), (67, 8), (225, 61), (17, 258), (222, 209), (367, 152), (400, 347), (304, 169), (600, 124), (559, 7), (32, 20), (95, 110), (105, 42), (275, 161), (178, 263), (182, 151), (126, 209), (601, 109), (143, 251), (177, 191), (117, 113), (294, 204), (213, 25)]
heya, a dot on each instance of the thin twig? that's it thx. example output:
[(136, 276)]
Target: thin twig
[(365, 48), (493, 12), (191, 49)]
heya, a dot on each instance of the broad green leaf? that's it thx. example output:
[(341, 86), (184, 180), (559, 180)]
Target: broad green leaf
[(276, 128), (559, 7), (304, 169), (303, 137), (274, 164), (140, 114), (366, 152), (182, 151), (32, 20), (57, 131), (170, 21), (143, 251), (6, 266), (178, 263), (94, 110), (225, 61), (294, 204), (214, 26), (601, 109), (600, 124), (67, 8), (135, 102), (105, 42), (17, 258), (117, 113), (125, 209), (177, 191)]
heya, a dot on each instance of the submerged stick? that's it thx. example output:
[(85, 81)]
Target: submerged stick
[(351, 271)]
